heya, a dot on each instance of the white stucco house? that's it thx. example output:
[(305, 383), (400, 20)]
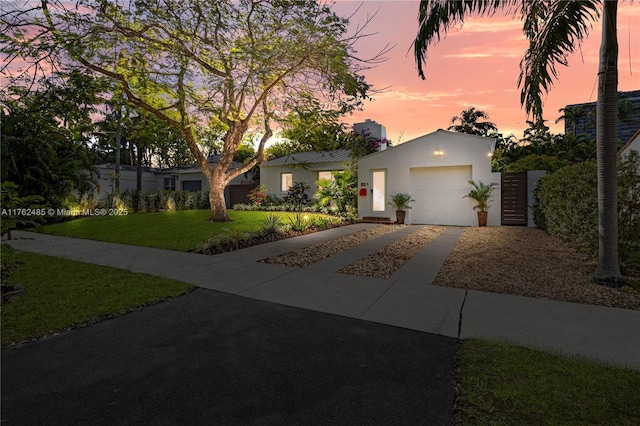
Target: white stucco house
[(279, 174), (434, 169)]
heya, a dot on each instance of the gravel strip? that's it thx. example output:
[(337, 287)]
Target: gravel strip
[(527, 262), (312, 254), (383, 263)]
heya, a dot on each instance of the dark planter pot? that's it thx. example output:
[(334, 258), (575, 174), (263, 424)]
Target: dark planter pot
[(400, 214), (482, 218)]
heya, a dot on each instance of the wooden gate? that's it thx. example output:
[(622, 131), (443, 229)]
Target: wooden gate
[(514, 199), (238, 194)]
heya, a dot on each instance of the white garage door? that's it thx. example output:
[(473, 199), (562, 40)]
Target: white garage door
[(439, 193)]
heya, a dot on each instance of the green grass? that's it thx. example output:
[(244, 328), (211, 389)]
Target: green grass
[(509, 385), (180, 230), (62, 294)]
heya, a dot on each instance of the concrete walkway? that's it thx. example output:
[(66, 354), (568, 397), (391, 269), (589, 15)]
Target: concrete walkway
[(407, 299)]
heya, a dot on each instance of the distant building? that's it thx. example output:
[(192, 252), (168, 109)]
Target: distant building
[(372, 129), (586, 121)]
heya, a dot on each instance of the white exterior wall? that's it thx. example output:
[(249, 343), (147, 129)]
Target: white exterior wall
[(457, 150), (632, 145), (197, 175), (270, 175)]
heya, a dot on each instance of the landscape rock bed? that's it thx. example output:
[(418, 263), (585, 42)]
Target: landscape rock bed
[(383, 263), (527, 262), (312, 254)]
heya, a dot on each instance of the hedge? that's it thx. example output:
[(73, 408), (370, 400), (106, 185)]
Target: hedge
[(567, 205)]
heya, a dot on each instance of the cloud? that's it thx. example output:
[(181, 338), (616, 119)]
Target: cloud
[(469, 55), (487, 25), (401, 93)]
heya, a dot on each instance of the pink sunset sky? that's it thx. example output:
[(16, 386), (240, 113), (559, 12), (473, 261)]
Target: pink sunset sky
[(475, 65)]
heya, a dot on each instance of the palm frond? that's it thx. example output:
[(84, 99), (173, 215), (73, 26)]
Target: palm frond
[(436, 17), (554, 29)]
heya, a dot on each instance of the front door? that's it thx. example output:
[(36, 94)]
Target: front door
[(379, 190)]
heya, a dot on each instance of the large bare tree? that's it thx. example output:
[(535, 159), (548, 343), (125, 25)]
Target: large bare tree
[(554, 28), (239, 65)]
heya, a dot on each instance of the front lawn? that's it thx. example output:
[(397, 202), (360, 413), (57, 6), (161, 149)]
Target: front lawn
[(62, 294), (178, 230), (510, 385)]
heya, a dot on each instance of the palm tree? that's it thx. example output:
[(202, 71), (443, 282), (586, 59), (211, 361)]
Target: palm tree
[(554, 28), (468, 123)]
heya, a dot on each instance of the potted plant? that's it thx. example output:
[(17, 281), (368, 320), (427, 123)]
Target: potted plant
[(481, 195), (401, 202)]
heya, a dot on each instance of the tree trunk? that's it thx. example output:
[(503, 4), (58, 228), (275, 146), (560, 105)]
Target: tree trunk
[(608, 270), (217, 200)]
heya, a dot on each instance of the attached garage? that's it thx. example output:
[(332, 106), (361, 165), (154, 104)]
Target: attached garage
[(435, 170), (439, 194)]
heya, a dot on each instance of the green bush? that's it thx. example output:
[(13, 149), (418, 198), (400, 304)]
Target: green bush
[(537, 162), (19, 211), (297, 195), (163, 200), (258, 196), (567, 205), (271, 225), (339, 194), (299, 223)]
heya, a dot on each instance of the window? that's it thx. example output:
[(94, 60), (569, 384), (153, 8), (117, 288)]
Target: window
[(191, 185), (326, 175), (170, 183), (379, 190), (286, 181)]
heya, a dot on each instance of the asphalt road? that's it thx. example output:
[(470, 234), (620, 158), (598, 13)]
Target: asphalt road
[(210, 358)]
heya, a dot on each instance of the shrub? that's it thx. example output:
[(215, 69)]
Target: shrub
[(9, 263), (537, 162), (271, 225), (86, 201), (258, 196), (179, 199), (567, 205), (299, 222), (339, 194), (297, 195), (15, 208)]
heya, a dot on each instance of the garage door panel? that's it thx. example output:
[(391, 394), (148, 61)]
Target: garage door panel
[(439, 193)]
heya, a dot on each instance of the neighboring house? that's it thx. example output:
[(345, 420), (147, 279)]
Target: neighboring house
[(633, 144), (373, 130), (280, 174), (434, 169), (186, 178), (107, 173), (587, 124)]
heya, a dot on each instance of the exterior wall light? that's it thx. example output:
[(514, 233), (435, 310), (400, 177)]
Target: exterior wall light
[(438, 153)]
